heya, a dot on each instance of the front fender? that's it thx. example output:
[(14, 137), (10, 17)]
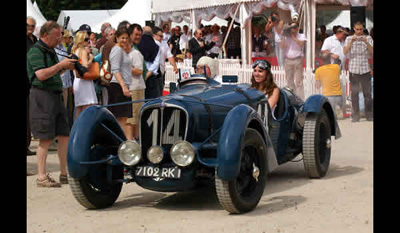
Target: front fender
[(230, 141), (315, 103), (86, 130)]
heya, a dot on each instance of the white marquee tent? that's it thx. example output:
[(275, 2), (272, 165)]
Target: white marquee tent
[(79, 17), (134, 11), (343, 19), (35, 5)]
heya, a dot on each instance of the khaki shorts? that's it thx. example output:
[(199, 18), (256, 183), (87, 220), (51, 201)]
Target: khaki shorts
[(136, 95)]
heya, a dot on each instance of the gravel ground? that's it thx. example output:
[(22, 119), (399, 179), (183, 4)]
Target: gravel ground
[(340, 202)]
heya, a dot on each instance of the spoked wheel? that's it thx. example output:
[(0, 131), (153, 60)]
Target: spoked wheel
[(317, 144), (243, 193)]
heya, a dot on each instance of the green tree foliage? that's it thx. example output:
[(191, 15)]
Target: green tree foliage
[(51, 8)]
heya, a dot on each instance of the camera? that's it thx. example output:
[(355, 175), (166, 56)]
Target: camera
[(273, 18), (78, 66)]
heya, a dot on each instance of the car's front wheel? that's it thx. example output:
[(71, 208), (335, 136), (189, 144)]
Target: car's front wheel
[(100, 187), (317, 144), (244, 193)]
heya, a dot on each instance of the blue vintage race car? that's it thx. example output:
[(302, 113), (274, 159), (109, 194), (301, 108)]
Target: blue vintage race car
[(204, 131)]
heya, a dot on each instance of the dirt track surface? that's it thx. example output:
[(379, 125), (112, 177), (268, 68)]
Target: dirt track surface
[(340, 202)]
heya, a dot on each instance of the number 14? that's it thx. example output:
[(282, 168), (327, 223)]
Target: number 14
[(173, 123)]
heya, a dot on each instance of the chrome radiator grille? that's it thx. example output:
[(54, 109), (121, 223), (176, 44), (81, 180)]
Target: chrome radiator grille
[(163, 126)]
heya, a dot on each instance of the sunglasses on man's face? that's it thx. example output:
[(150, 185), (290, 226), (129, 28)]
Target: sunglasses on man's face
[(262, 64)]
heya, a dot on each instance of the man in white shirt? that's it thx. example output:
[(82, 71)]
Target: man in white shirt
[(293, 42), (183, 41), (166, 33), (138, 86), (274, 28), (165, 53), (216, 37), (334, 45)]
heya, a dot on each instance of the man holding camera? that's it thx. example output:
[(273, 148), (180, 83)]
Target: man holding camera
[(274, 28), (357, 48), (293, 42), (48, 114)]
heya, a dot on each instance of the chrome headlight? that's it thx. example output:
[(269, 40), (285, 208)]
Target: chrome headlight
[(155, 154), (182, 153), (129, 152)]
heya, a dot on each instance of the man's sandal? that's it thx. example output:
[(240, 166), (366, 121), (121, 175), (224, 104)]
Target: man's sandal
[(48, 182)]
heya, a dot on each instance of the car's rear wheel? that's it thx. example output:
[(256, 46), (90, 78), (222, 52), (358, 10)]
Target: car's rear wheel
[(244, 193), (317, 144)]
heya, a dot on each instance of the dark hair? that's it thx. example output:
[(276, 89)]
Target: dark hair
[(359, 23), (294, 22), (269, 84), (274, 13), (132, 27), (122, 31), (156, 29), (48, 27)]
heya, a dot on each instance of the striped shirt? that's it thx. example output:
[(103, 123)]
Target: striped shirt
[(358, 55), (35, 61)]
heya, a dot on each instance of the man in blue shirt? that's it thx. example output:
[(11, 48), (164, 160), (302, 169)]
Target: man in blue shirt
[(151, 54)]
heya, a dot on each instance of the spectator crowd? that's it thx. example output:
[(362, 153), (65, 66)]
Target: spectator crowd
[(132, 62)]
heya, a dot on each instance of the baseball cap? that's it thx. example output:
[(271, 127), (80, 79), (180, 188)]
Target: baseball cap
[(85, 27), (342, 29)]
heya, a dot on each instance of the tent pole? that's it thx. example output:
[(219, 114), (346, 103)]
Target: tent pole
[(309, 29), (229, 29), (245, 35), (193, 20)]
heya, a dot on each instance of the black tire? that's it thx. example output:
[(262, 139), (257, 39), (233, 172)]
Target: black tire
[(93, 191), (243, 193), (317, 144)]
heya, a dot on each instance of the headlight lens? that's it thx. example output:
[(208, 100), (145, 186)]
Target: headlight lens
[(182, 153), (155, 154), (129, 152)]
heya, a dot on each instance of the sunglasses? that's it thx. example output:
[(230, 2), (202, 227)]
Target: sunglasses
[(87, 39), (262, 64)]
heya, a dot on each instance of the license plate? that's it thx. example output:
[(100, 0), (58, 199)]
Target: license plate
[(163, 172)]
